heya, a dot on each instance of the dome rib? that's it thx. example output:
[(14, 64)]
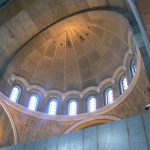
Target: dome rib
[(53, 60), (77, 52), (108, 31), (65, 61), (90, 44), (38, 64), (79, 74)]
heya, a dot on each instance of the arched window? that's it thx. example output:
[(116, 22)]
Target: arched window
[(52, 110), (109, 96), (15, 93), (33, 102), (123, 84), (72, 107), (91, 104), (133, 68)]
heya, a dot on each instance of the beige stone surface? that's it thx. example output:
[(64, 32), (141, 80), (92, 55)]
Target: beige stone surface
[(30, 128), (136, 101), (6, 132), (39, 14), (74, 54), (59, 65)]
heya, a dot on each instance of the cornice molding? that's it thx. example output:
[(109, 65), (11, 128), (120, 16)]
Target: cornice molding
[(102, 117)]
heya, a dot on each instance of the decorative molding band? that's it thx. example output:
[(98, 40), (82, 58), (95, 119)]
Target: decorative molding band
[(102, 117)]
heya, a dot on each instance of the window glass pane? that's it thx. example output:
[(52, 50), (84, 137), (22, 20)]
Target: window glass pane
[(52, 107), (109, 97), (72, 107), (33, 102), (91, 103), (133, 68), (124, 84), (15, 94)]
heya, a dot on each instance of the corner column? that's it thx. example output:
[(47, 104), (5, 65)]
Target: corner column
[(141, 38)]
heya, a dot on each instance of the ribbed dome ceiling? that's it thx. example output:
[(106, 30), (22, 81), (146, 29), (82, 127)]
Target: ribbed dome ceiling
[(76, 53)]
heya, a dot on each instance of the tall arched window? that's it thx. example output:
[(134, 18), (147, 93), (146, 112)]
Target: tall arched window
[(133, 68), (52, 110), (72, 107), (91, 104), (109, 96), (123, 84), (33, 102), (15, 93)]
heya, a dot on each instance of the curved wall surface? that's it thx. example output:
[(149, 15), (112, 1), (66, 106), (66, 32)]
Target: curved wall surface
[(79, 56), (16, 35), (7, 136), (28, 124)]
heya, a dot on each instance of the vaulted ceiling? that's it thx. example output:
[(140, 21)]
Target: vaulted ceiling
[(76, 53), (32, 47)]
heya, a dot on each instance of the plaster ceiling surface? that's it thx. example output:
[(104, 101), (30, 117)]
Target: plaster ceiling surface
[(75, 53)]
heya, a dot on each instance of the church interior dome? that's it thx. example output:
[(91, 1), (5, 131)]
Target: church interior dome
[(89, 56), (78, 52), (68, 65)]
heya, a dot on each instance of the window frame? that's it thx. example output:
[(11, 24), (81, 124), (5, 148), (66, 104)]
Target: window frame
[(88, 101), (132, 69), (68, 106), (49, 101), (122, 90), (106, 101), (37, 104), (20, 93)]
